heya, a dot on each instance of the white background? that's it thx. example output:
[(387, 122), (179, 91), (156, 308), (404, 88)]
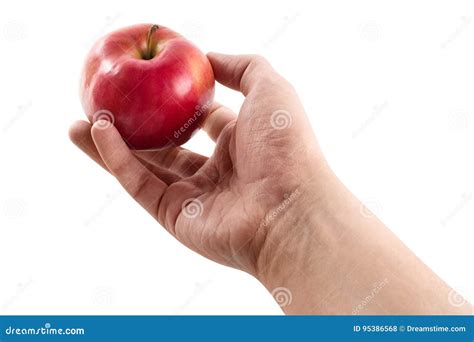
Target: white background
[(388, 87)]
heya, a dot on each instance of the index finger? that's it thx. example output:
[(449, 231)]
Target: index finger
[(241, 72)]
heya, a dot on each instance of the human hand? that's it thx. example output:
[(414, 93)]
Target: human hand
[(266, 202), (218, 206)]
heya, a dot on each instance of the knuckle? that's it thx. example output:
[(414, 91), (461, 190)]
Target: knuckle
[(258, 60), (117, 167), (171, 157), (139, 184)]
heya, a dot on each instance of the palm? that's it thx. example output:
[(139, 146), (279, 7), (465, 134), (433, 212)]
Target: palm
[(222, 220), (217, 220), (249, 173)]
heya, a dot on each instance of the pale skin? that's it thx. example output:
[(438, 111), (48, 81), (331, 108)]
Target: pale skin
[(268, 204)]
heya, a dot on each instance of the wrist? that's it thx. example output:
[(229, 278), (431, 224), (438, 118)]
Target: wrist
[(302, 240), (326, 254)]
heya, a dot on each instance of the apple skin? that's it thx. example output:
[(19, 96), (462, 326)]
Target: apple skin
[(154, 103)]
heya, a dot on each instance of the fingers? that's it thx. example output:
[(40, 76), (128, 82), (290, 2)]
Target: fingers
[(240, 72), (169, 165), (219, 117), (175, 159), (146, 188), (165, 175), (80, 135)]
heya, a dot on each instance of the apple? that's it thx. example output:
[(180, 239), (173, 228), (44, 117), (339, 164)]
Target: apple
[(154, 85)]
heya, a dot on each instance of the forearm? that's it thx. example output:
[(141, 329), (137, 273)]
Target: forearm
[(333, 258)]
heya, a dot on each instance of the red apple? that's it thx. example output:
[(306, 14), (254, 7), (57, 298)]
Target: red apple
[(153, 84)]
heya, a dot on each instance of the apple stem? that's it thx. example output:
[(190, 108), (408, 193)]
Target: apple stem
[(149, 53)]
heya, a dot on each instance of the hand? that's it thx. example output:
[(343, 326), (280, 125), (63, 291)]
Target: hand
[(266, 202), (217, 206)]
